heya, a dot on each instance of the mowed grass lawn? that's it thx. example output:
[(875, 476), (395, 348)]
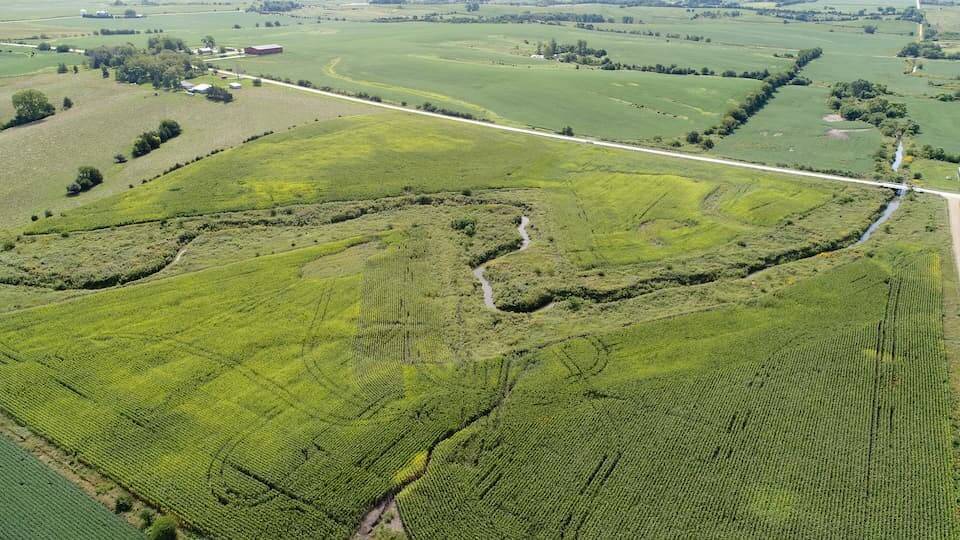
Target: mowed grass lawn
[(40, 159), (791, 130)]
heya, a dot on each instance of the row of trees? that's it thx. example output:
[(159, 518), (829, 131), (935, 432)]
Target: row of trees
[(757, 99), (61, 48)]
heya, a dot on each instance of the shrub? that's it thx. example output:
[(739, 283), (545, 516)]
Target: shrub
[(123, 504), (219, 94), (63, 48), (164, 528), (258, 82), (87, 178), (693, 137), (119, 158), (62, 68), (141, 147), (168, 130), (468, 225), (43, 46), (67, 103)]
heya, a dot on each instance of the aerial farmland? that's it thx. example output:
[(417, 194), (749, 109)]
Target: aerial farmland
[(394, 269)]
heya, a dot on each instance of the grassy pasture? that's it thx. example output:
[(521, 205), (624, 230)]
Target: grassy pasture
[(21, 61), (936, 174), (105, 120), (792, 130), (367, 157), (938, 122), (38, 503)]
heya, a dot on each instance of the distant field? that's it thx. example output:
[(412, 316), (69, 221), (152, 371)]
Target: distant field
[(41, 159), (20, 61), (38, 9), (937, 174), (938, 122), (486, 69), (36, 502), (792, 130)]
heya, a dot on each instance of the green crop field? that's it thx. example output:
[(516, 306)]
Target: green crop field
[(346, 321), (347, 340), (486, 69), (38, 503), (797, 129)]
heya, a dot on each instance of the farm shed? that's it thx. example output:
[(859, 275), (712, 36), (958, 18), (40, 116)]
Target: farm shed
[(264, 49), (201, 88)]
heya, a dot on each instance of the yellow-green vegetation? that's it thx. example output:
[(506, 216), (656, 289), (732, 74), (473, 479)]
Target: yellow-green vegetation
[(41, 159), (385, 321), (718, 356)]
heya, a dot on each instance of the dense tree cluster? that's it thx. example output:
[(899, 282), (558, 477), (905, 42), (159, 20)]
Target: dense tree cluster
[(275, 6), (29, 106), (151, 140), (157, 44), (862, 100), (507, 18), (215, 93), (926, 49), (929, 152), (163, 70), (87, 178)]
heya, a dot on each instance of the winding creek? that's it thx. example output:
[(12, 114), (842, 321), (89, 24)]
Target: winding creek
[(887, 213), (892, 206), (478, 271)]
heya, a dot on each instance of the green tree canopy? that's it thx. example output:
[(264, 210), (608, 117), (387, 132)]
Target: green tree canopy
[(31, 105)]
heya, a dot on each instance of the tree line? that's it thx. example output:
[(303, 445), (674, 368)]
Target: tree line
[(757, 99)]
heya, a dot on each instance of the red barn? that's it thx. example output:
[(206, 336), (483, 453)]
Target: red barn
[(264, 49)]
